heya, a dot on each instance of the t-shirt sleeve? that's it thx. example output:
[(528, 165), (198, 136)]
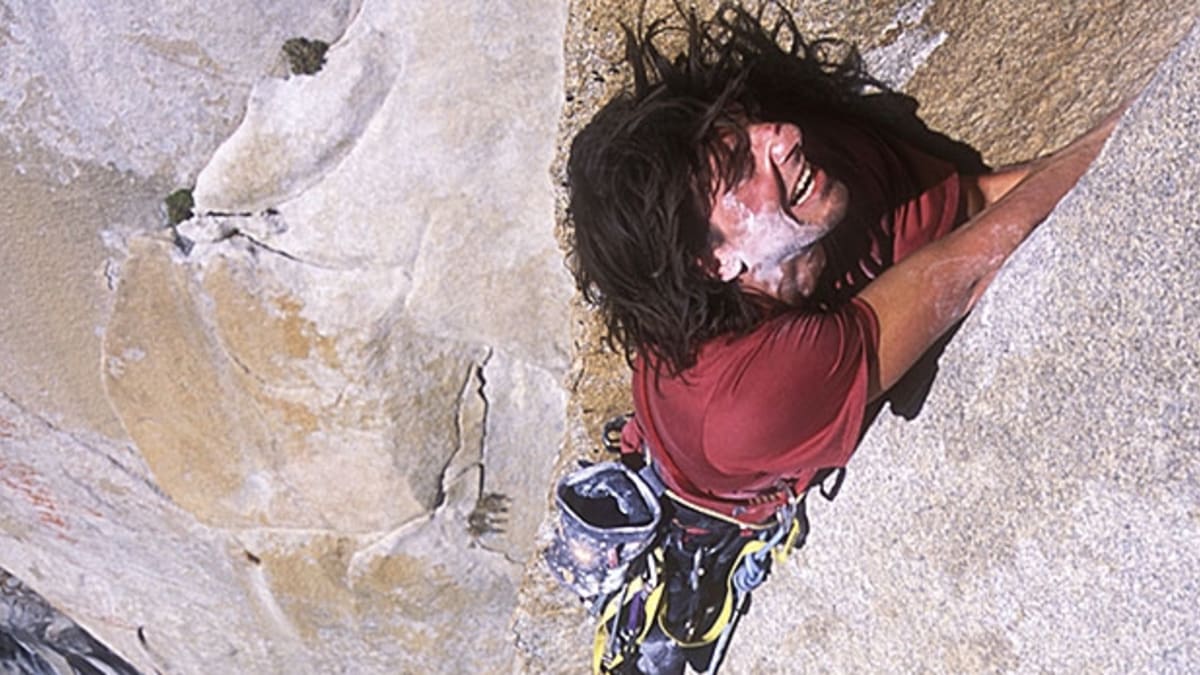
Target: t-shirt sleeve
[(795, 399), (936, 208)]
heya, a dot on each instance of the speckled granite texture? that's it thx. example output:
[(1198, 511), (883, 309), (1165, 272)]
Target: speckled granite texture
[(309, 429)]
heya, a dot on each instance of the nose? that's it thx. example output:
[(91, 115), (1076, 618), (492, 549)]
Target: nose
[(775, 142)]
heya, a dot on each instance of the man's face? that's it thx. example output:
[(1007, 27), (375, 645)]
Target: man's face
[(766, 230)]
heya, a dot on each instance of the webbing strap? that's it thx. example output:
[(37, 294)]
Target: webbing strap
[(747, 573), (654, 481), (608, 629)]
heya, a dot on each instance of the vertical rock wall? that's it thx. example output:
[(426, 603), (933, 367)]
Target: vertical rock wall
[(310, 428), (103, 110)]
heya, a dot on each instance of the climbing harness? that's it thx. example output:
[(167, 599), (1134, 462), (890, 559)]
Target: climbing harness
[(668, 578)]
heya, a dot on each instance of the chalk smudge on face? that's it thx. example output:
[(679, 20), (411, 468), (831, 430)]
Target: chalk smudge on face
[(762, 242)]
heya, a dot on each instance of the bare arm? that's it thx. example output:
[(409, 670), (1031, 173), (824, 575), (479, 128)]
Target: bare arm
[(921, 297)]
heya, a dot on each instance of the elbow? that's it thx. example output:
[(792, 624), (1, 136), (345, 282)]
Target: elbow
[(958, 284), (951, 310), (973, 295)]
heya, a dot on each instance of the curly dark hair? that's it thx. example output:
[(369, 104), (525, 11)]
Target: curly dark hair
[(641, 172)]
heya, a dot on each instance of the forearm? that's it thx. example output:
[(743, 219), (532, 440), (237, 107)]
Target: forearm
[(1039, 186), (918, 299)]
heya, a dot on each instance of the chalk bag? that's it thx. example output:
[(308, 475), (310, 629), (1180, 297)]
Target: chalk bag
[(608, 519)]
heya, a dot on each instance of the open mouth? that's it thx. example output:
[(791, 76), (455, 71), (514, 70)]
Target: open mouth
[(804, 186)]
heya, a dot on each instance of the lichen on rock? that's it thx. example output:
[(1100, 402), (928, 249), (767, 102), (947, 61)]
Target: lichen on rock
[(179, 206), (305, 56)]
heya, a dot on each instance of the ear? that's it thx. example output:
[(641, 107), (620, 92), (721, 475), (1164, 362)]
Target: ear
[(729, 264)]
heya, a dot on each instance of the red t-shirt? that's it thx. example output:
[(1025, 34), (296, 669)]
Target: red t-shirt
[(777, 405)]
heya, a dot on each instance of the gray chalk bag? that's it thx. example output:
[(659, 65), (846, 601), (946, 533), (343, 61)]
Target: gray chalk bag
[(608, 518)]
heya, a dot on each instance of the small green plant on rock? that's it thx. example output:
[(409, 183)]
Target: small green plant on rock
[(305, 57), (179, 206)]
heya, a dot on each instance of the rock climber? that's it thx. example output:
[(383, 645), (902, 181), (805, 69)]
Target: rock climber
[(772, 254)]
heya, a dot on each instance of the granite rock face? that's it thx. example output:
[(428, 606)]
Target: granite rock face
[(103, 111), (310, 427), (84, 524), (314, 427), (1039, 513)]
